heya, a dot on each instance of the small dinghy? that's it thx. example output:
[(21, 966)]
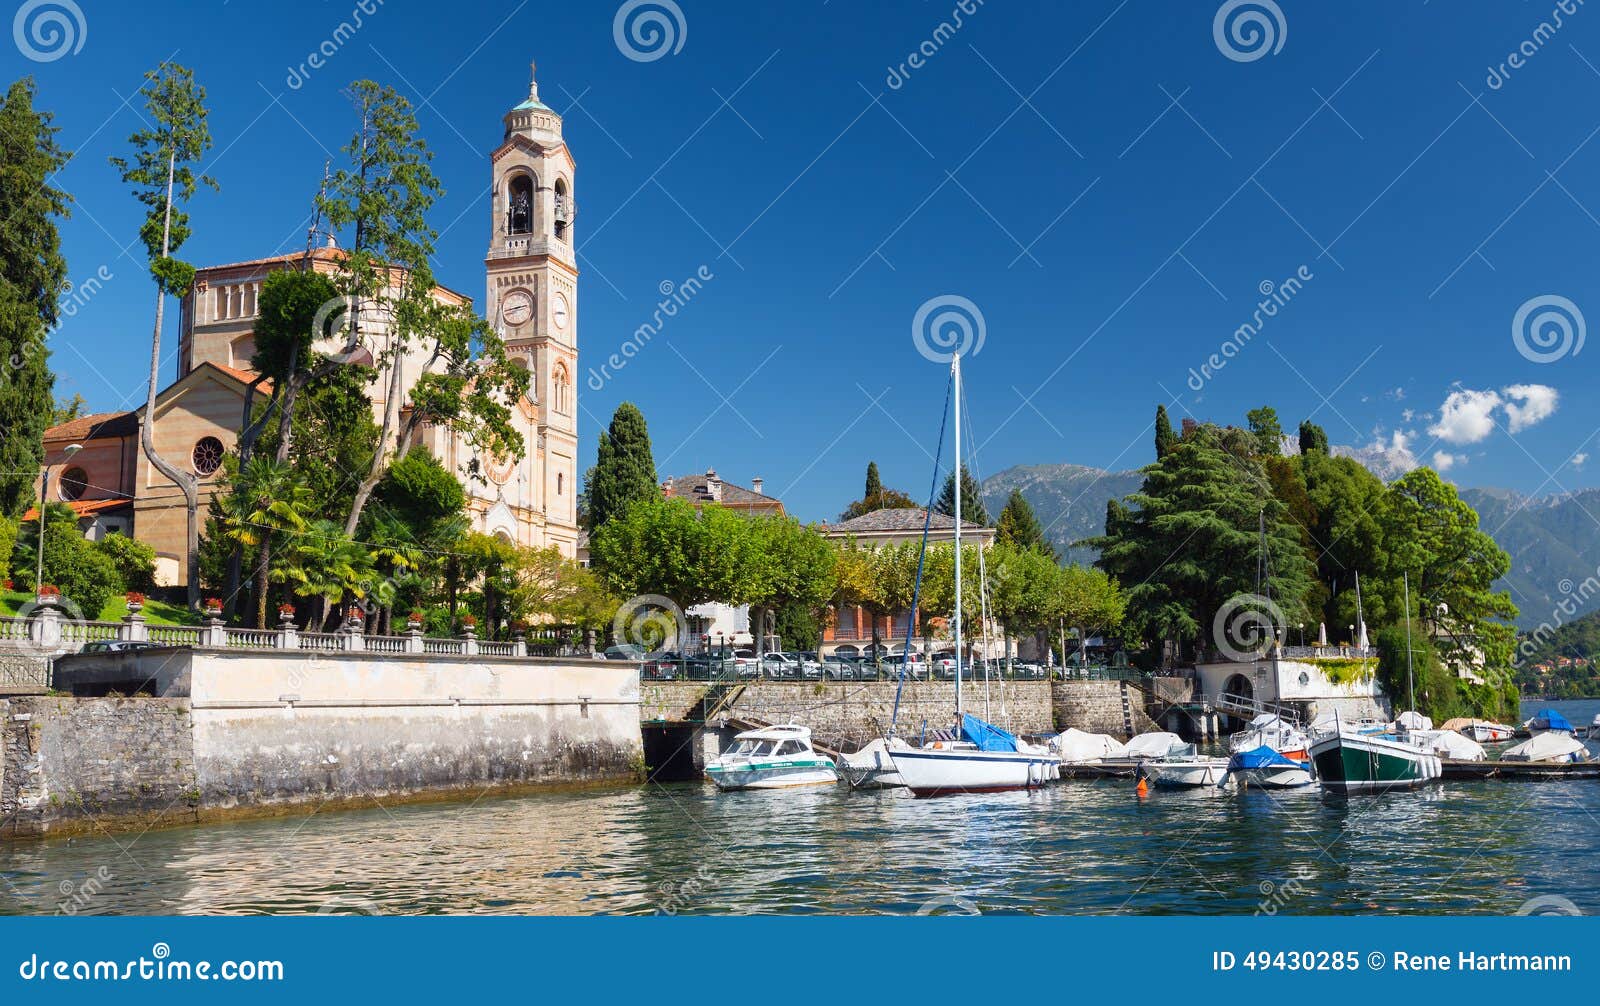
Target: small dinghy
[(1268, 768), (872, 767), (1186, 772)]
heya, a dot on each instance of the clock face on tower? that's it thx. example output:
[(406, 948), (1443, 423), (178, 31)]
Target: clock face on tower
[(558, 313), (516, 308)]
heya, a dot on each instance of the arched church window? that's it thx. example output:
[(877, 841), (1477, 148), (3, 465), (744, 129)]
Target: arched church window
[(563, 209), (562, 389), (73, 484), (207, 456), (519, 205)]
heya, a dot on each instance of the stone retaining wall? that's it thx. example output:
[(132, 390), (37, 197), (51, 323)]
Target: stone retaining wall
[(1096, 707)]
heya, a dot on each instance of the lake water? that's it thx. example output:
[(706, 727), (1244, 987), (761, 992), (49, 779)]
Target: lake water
[(1075, 848)]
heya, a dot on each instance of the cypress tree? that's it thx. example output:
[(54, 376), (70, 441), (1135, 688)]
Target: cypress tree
[(1019, 526), (32, 275), (625, 470), (874, 483), (972, 509), (1165, 438), (1312, 438)]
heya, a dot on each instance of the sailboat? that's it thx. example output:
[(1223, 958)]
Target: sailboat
[(1348, 760), (982, 758)]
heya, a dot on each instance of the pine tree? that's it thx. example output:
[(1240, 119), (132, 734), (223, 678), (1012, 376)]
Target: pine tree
[(1312, 438), (1165, 438), (1018, 526), (972, 510), (1264, 426), (874, 483), (1194, 541), (32, 275), (625, 470)]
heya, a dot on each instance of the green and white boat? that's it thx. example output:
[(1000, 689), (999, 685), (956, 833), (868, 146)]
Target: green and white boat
[(777, 757), (1349, 761)]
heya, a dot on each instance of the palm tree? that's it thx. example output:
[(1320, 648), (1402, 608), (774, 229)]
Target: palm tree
[(329, 564), (394, 548), (267, 500)]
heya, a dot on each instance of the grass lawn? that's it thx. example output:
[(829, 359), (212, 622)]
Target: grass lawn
[(155, 612)]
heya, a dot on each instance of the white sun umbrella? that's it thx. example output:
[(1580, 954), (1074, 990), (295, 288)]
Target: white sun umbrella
[(1322, 633), (1363, 643)]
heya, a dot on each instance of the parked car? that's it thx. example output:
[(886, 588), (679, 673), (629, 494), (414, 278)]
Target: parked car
[(838, 669), (663, 667), (810, 666), (745, 664), (115, 646), (625, 651), (780, 665)]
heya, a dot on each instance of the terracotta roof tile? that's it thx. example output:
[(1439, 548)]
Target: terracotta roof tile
[(101, 424)]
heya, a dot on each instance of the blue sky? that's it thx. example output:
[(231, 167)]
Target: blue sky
[(1101, 179)]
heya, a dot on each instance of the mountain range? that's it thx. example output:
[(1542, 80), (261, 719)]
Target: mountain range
[(1553, 541)]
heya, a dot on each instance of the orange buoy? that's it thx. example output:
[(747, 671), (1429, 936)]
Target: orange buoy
[(1143, 789)]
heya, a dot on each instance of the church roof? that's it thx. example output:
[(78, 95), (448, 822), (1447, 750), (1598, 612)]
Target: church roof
[(101, 424), (533, 105)]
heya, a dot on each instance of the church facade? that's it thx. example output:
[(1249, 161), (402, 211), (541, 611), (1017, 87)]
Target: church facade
[(94, 463)]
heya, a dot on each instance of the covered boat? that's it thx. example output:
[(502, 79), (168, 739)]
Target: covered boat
[(1268, 768), (1482, 731), (1550, 746), (1157, 744), (1074, 746), (1186, 771), (1450, 744), (776, 757), (1549, 720)]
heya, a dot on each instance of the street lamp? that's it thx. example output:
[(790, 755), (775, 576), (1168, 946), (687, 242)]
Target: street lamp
[(44, 485)]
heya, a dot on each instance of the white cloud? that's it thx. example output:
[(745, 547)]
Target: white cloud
[(1538, 402), (1578, 459), (1386, 459), (1465, 418), (1407, 415), (1443, 461)]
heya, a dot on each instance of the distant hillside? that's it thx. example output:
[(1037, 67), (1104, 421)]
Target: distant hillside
[(1553, 541), (1069, 500)]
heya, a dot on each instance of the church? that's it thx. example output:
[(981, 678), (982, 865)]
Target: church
[(94, 464)]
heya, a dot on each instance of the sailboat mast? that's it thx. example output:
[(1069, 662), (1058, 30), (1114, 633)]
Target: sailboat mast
[(955, 377), (1411, 688)]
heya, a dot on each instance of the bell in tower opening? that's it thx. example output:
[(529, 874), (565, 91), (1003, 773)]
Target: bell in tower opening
[(519, 210)]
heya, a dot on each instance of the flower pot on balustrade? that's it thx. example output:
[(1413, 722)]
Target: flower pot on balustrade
[(469, 636), (288, 635), (519, 641), (354, 624)]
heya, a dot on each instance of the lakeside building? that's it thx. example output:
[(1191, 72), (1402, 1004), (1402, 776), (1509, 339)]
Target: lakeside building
[(531, 298), (850, 629), (715, 623)]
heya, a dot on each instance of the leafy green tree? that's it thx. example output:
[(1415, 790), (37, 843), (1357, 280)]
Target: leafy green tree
[(134, 560), (85, 575), (383, 195), (420, 492), (325, 565), (1346, 537), (33, 274), (972, 509), (266, 502), (1194, 542), (162, 175), (1312, 438), (8, 541), (625, 472), (1165, 438), (68, 409), (660, 546), (1264, 426), (1018, 526), (884, 499), (795, 569), (1022, 582)]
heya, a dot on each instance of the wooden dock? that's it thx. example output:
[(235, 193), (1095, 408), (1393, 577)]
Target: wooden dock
[(1524, 771)]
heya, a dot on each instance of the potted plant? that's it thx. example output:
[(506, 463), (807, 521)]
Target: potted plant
[(135, 601), (414, 621), (49, 594), (469, 624), (212, 607)]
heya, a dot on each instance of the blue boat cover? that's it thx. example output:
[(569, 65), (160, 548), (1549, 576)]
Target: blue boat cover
[(986, 736), (1549, 719), (1261, 757)]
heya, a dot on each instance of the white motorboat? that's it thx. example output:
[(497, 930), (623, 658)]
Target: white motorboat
[(1076, 747), (778, 757), (1550, 746), (1186, 772), (983, 758), (872, 767), (1485, 732), (1273, 731), (1450, 744), (1265, 767)]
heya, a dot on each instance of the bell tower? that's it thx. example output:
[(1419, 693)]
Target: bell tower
[(533, 298)]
